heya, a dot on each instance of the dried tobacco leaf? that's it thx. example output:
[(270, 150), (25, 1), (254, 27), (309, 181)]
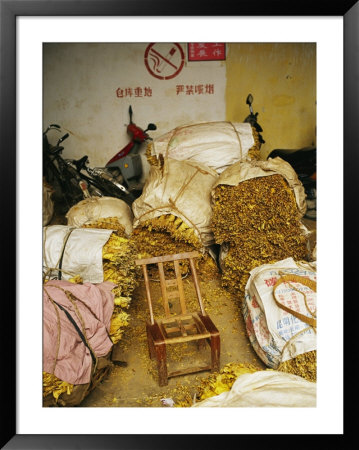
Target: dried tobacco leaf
[(168, 234), (258, 220)]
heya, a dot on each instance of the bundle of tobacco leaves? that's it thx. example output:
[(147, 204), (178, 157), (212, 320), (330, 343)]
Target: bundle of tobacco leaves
[(168, 234), (217, 383), (258, 223), (304, 365), (53, 385), (118, 256), (254, 151)]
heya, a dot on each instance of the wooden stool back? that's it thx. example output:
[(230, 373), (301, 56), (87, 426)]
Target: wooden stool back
[(175, 328)]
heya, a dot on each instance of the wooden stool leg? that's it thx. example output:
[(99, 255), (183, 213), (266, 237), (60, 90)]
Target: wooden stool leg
[(215, 352), (160, 349), (201, 344), (151, 347)]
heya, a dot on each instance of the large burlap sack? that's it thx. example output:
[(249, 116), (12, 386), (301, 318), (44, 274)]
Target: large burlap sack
[(216, 144), (266, 389), (181, 188), (70, 251), (281, 321), (242, 171), (94, 208), (80, 391)]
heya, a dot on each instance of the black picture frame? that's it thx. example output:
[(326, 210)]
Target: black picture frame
[(9, 10)]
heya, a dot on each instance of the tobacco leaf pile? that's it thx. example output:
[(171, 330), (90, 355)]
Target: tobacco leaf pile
[(216, 383), (254, 151), (304, 365), (256, 222), (169, 234), (118, 254)]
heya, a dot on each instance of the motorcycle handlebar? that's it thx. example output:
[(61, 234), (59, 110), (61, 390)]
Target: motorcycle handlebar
[(65, 136)]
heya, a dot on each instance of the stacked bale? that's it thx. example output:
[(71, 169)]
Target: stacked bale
[(168, 234), (215, 144), (257, 208), (56, 392), (118, 255), (63, 354), (174, 211), (280, 312)]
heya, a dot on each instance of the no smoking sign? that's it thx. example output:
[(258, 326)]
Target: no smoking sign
[(164, 60)]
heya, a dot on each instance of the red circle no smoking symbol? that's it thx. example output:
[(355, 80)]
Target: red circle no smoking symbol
[(164, 61)]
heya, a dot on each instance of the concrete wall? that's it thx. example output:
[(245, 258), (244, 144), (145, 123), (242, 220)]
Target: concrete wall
[(88, 88), (282, 79)]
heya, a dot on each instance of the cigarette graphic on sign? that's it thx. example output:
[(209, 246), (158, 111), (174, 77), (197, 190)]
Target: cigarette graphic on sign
[(165, 61)]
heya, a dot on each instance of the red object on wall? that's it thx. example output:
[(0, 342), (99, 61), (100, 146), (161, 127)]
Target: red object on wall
[(206, 51)]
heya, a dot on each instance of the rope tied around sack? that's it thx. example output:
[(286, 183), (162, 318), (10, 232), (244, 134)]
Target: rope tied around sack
[(72, 299), (285, 277), (172, 203), (306, 282), (58, 265), (58, 330), (239, 139), (311, 321)]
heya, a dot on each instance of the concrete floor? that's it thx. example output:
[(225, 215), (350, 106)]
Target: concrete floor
[(135, 384)]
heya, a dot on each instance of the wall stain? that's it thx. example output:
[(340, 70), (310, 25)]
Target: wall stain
[(283, 100)]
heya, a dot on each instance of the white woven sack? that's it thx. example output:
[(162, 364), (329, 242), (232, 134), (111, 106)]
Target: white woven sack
[(275, 334), (91, 209), (77, 250), (181, 188), (216, 144), (265, 389)]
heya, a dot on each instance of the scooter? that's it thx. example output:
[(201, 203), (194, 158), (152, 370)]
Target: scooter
[(121, 174), (127, 160)]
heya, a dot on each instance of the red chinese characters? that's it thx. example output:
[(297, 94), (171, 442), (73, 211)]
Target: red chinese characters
[(133, 92), (197, 89), (206, 51), (271, 281)]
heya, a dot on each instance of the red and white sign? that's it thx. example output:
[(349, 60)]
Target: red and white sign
[(206, 51), (164, 60)]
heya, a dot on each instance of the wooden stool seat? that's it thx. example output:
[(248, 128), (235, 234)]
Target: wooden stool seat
[(178, 328)]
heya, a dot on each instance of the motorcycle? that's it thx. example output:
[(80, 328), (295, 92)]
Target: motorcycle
[(76, 180), (253, 118), (68, 186), (120, 177)]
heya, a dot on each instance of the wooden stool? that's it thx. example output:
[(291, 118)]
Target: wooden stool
[(178, 328)]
